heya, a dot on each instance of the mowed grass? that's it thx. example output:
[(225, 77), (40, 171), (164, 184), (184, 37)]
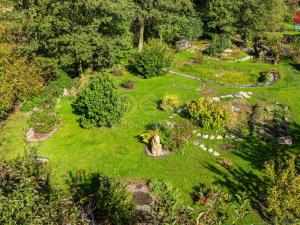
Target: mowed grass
[(225, 72), (118, 152)]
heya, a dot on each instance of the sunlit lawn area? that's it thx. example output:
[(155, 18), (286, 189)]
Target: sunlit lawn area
[(118, 151)]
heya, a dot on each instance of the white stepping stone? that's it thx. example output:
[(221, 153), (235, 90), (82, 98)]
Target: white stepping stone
[(216, 99), (210, 150), (179, 111), (194, 131), (212, 137), (205, 136), (216, 154), (219, 137), (196, 143), (198, 134), (227, 136)]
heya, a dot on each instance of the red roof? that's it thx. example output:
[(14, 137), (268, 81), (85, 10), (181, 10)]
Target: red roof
[(297, 18)]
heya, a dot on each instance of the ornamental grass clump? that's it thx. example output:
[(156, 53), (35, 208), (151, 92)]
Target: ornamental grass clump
[(208, 114)]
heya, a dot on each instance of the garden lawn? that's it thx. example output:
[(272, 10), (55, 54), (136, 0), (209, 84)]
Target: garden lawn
[(221, 71), (118, 152)]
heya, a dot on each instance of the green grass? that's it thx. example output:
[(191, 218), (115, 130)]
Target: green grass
[(118, 152), (226, 72)]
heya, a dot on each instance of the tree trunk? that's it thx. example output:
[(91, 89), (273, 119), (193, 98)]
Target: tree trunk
[(141, 37), (80, 69)]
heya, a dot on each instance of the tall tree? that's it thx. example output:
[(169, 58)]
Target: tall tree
[(79, 33), (167, 19)]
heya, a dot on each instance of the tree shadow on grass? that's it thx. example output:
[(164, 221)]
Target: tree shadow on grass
[(239, 180)]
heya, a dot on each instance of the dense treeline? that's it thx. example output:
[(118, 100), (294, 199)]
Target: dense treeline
[(71, 36)]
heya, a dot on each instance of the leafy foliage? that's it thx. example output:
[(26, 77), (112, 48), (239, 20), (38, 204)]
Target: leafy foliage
[(118, 70), (128, 84), (104, 199), (50, 93), (149, 135), (207, 114), (25, 196), (19, 80), (43, 121), (170, 102), (283, 200), (219, 44), (215, 206), (99, 104), (154, 58), (173, 136), (199, 58), (168, 206)]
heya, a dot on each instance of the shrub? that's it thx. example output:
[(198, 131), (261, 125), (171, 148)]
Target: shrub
[(170, 102), (154, 58), (104, 199), (128, 84), (25, 191), (49, 95), (218, 44), (283, 200), (43, 121), (199, 59), (263, 77), (177, 136), (214, 206), (207, 114), (168, 207), (149, 135), (118, 70), (99, 104), (173, 136), (19, 81)]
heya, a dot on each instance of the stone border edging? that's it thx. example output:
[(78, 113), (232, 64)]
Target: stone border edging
[(31, 136), (272, 80)]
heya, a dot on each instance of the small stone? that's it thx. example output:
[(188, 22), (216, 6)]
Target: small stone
[(216, 154), (179, 111), (227, 136), (66, 92), (222, 96), (42, 160), (198, 135), (216, 99), (210, 150), (196, 143), (212, 137), (219, 137), (174, 114), (285, 140), (228, 96), (205, 136), (194, 131), (244, 94)]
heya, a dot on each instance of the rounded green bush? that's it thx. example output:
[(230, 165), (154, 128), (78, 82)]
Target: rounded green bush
[(208, 114), (153, 59), (99, 104)]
